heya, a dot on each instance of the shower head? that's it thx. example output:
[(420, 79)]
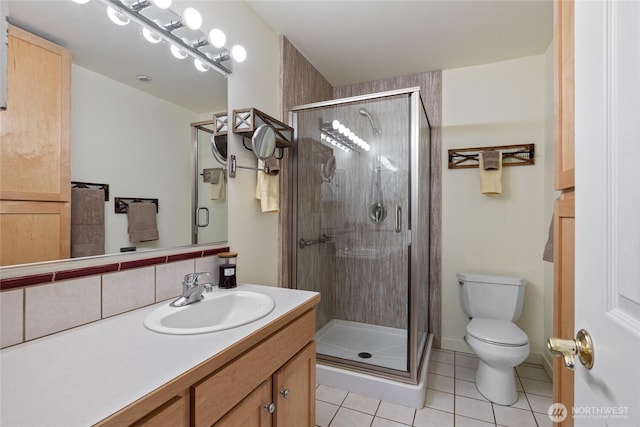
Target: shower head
[(365, 113)]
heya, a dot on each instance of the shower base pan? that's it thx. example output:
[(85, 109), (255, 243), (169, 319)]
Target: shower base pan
[(375, 345)]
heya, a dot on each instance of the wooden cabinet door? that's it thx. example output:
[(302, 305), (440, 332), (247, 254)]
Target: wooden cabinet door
[(35, 128), (34, 231), (251, 411), (294, 390)]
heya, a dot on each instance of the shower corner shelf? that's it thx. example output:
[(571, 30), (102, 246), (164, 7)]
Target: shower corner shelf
[(247, 120), (512, 155)]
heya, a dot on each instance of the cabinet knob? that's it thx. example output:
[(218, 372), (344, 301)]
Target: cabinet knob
[(270, 407), (285, 393)]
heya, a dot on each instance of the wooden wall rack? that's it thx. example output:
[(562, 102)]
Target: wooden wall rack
[(247, 120), (512, 155), (122, 203), (93, 186)]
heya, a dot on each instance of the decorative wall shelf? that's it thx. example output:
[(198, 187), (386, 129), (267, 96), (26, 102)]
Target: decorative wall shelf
[(512, 155), (247, 120), (221, 124)]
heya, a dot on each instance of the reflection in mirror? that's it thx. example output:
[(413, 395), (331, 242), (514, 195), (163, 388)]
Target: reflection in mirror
[(210, 201), (132, 106), (219, 148)]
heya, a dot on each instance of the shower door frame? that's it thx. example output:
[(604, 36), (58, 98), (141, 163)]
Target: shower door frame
[(414, 365)]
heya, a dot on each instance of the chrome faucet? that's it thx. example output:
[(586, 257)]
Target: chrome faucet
[(192, 289)]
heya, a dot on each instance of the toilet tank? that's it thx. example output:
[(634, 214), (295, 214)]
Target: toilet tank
[(491, 296)]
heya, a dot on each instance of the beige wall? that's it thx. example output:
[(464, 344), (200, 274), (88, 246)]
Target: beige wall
[(253, 83), (112, 132), (494, 104), (549, 197)]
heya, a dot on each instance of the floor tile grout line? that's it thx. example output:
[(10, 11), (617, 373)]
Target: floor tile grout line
[(455, 394)]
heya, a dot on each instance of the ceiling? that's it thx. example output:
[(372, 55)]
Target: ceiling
[(347, 41), (120, 52), (358, 41)]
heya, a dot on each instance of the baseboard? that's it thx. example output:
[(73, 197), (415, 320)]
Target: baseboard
[(453, 344), (547, 364)]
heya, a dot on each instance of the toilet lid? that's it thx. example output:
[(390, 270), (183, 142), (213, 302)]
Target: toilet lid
[(497, 331)]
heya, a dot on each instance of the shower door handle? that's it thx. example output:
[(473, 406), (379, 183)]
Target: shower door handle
[(206, 210), (398, 219)]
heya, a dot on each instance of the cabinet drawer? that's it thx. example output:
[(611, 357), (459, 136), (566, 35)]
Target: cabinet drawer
[(220, 392), (173, 413)]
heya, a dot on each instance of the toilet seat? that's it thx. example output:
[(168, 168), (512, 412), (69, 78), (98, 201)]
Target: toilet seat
[(497, 332)]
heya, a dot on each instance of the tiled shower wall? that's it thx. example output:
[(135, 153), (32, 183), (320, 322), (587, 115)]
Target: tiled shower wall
[(363, 272), (302, 84)]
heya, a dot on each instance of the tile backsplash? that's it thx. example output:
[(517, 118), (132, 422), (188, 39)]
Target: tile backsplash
[(37, 310)]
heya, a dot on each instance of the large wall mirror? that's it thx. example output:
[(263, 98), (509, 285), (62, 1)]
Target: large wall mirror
[(131, 132)]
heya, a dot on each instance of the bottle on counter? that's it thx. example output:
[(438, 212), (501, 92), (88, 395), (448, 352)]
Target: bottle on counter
[(227, 267)]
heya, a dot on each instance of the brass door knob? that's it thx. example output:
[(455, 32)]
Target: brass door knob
[(582, 347)]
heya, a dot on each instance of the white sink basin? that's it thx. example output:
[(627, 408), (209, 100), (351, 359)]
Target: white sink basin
[(219, 310)]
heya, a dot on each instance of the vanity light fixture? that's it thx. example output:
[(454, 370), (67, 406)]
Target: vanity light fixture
[(122, 13), (117, 17), (149, 36), (339, 135)]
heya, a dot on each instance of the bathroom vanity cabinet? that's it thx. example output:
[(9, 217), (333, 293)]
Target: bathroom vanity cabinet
[(35, 151), (266, 379)]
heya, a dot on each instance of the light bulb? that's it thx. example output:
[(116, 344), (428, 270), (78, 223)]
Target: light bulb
[(150, 36), (81, 1), (341, 128), (238, 53), (200, 66), (217, 38), (177, 52), (335, 124), (192, 18), (117, 17), (161, 4)]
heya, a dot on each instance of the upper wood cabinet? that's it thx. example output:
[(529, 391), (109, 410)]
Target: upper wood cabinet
[(35, 190), (35, 128)]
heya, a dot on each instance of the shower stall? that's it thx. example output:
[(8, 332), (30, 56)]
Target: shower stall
[(361, 169)]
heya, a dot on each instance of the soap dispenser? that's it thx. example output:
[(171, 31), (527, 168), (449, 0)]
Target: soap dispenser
[(227, 270)]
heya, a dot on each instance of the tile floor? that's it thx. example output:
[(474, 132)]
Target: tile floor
[(452, 400)]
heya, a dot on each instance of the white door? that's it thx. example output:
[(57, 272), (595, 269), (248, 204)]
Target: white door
[(607, 152)]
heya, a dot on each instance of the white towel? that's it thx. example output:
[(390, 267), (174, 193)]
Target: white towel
[(218, 185), (267, 190), (490, 180)]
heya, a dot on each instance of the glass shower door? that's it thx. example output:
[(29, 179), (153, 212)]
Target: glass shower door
[(209, 198), (352, 197)]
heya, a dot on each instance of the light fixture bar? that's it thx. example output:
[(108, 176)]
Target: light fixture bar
[(145, 22)]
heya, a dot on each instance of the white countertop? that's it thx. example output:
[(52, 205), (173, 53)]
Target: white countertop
[(81, 376)]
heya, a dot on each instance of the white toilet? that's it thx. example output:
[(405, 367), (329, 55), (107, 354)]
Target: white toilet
[(493, 303)]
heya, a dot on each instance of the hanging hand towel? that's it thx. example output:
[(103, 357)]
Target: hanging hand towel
[(87, 222), (142, 222), (547, 255), (267, 190), (217, 185), (490, 180)]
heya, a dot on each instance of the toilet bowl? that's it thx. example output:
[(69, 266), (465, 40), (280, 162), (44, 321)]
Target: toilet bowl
[(493, 303), (500, 346)]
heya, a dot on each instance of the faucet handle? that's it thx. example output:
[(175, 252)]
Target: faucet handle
[(198, 275)]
